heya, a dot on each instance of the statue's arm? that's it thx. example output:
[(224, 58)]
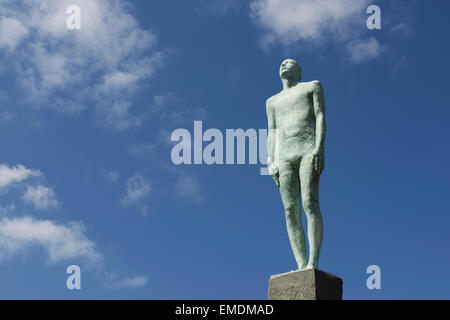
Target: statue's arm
[(319, 111), (272, 164)]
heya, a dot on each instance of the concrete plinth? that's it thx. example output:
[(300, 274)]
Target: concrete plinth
[(310, 284)]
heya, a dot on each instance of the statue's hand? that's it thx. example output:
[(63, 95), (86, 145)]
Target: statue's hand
[(318, 161), (275, 174), (276, 178)]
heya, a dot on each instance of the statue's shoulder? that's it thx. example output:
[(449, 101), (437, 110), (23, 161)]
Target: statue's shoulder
[(315, 85), (269, 102)]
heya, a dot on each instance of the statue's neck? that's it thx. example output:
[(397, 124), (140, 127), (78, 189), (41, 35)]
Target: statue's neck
[(289, 83)]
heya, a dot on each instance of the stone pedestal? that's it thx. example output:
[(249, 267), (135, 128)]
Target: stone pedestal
[(310, 284)]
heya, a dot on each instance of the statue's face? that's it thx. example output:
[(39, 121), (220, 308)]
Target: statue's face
[(290, 67)]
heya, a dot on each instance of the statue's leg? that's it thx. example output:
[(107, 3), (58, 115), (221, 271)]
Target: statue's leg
[(309, 182), (290, 194)]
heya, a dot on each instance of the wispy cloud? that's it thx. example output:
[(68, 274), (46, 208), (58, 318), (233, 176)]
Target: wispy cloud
[(9, 175), (341, 22), (8, 209), (187, 186), (127, 282), (137, 191), (19, 234), (363, 50), (293, 20), (102, 64), (60, 242), (41, 197), (12, 31), (112, 176)]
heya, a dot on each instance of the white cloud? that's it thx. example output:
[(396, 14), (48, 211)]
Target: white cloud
[(117, 115), (41, 197), (363, 50), (117, 80), (138, 189), (131, 282), (60, 242), (15, 174), (293, 20), (101, 64), (12, 31), (338, 21)]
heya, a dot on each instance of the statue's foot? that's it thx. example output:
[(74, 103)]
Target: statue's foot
[(307, 267), (302, 268)]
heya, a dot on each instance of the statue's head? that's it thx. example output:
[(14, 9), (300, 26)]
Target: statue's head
[(290, 69)]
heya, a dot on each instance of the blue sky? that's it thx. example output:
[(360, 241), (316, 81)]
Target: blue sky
[(86, 176)]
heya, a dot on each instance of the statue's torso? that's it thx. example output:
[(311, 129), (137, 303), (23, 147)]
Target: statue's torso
[(295, 121)]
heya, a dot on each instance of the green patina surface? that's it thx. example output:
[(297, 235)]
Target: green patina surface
[(295, 147)]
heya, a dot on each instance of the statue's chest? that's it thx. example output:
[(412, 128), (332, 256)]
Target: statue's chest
[(293, 101)]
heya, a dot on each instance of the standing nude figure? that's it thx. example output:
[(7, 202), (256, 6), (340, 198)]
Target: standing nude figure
[(296, 125)]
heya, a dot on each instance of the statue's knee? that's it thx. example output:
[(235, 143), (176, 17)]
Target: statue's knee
[(291, 211), (311, 206)]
